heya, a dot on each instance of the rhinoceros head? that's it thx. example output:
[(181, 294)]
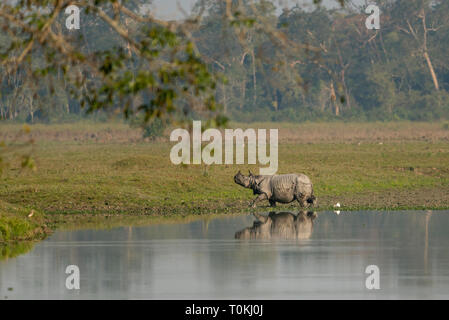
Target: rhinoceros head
[(240, 179), (261, 229)]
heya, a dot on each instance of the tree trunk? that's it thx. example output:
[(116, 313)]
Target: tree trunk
[(334, 99), (30, 104), (348, 102), (432, 71), (253, 57), (243, 93), (225, 107)]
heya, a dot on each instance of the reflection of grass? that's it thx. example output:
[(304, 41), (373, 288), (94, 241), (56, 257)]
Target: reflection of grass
[(76, 222), (108, 170), (13, 249)]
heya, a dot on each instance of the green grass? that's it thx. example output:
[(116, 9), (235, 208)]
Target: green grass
[(15, 224), (135, 177)]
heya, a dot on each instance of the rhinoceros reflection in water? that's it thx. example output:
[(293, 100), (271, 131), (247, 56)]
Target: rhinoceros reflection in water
[(282, 225)]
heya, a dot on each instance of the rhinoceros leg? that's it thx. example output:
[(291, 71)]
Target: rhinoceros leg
[(260, 197), (312, 201), (302, 200)]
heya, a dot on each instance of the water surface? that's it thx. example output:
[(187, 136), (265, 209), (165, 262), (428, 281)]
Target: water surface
[(203, 260)]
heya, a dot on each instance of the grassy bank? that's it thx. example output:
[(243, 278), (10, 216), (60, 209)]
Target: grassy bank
[(21, 224), (88, 169)]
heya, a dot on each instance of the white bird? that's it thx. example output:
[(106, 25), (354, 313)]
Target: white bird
[(31, 213), (337, 205)]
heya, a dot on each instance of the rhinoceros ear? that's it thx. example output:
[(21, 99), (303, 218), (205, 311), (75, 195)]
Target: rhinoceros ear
[(250, 173)]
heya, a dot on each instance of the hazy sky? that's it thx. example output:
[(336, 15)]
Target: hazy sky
[(168, 9)]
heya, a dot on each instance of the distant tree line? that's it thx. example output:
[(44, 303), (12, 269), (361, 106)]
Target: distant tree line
[(261, 64)]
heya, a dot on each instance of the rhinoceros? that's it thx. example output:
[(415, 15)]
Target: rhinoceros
[(282, 225), (283, 188)]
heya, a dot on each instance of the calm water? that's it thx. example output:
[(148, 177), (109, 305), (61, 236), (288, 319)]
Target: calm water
[(203, 260)]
